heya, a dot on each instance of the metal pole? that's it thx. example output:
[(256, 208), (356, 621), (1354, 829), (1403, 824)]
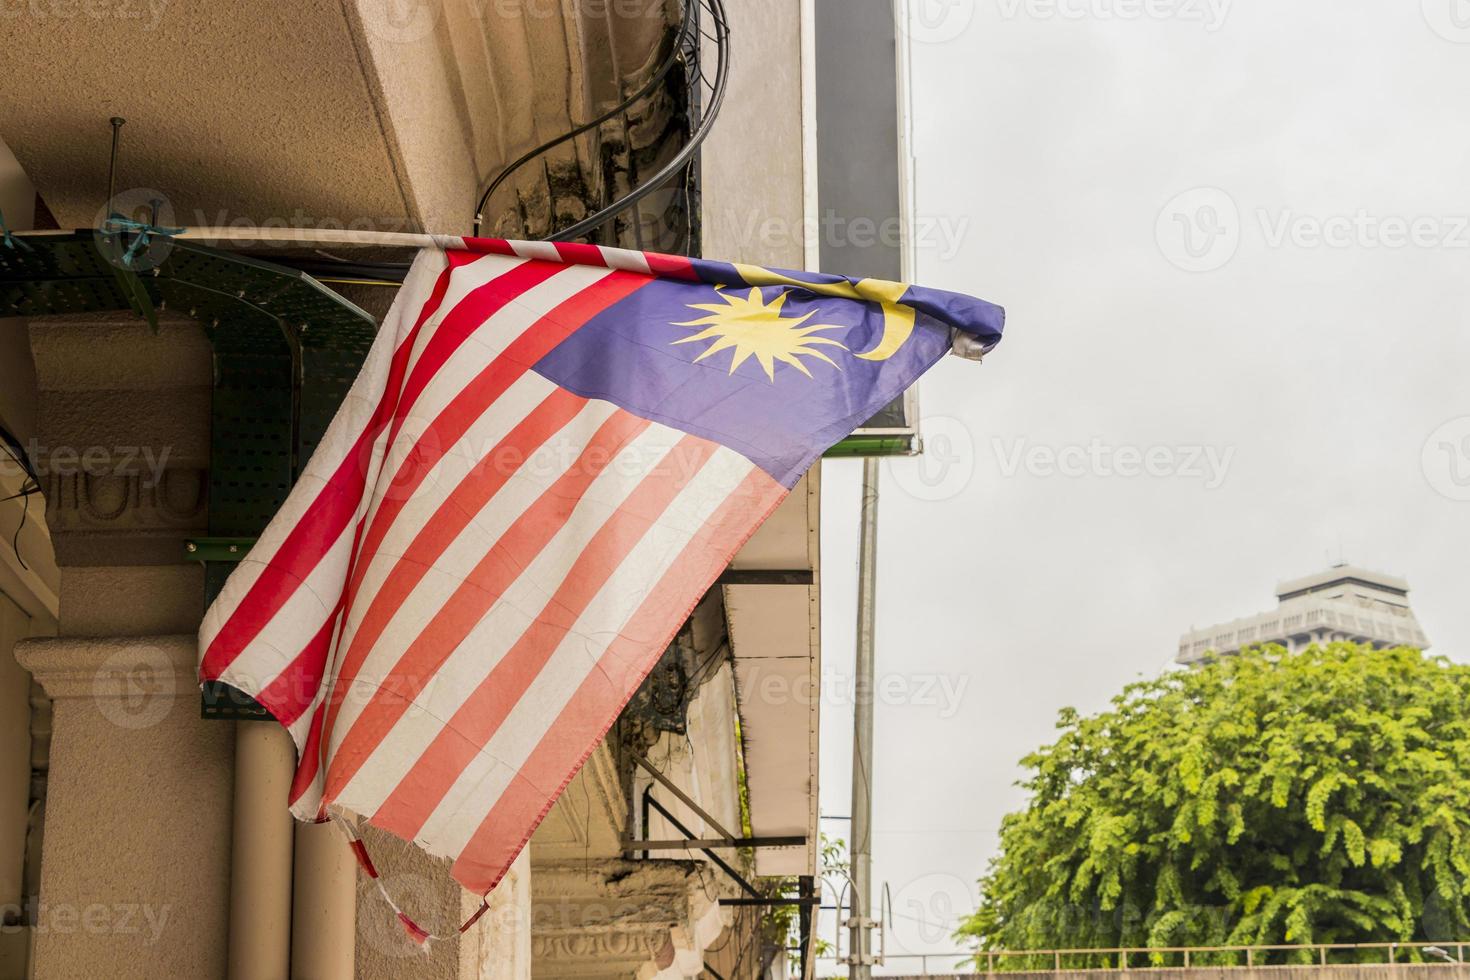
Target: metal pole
[(862, 730), (117, 125)]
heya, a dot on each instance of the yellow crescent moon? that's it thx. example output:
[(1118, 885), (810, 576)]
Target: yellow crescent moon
[(898, 324), (898, 319)]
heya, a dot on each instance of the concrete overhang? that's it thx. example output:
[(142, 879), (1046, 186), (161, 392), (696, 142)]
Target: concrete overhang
[(775, 636), (342, 113)]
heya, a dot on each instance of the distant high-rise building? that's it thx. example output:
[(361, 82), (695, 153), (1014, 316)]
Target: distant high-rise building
[(1342, 603)]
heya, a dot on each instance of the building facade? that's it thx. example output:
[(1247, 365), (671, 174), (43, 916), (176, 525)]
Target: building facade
[(1343, 602)]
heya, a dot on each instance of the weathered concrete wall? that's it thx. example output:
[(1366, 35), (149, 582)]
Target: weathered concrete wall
[(752, 166)]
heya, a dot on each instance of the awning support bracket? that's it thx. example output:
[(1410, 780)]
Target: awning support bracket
[(719, 862), (683, 797)]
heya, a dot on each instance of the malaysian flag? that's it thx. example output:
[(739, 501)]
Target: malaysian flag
[(550, 455)]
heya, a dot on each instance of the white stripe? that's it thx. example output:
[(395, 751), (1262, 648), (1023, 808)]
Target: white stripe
[(488, 342), (546, 251), (464, 553), (519, 401), (509, 617), (625, 259), (478, 539), (299, 619), (351, 420), (463, 280), (453, 823)]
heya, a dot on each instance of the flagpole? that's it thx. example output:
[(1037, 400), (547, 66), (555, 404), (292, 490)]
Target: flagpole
[(861, 850)]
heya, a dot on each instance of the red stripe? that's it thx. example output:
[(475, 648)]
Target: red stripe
[(482, 714), (671, 266), (455, 514), (327, 515), (362, 858), (415, 933), (467, 316), (500, 567), (484, 907), (550, 330), (455, 420), (533, 344), (492, 246), (295, 688), (300, 553), (580, 253), (309, 760), (592, 710)]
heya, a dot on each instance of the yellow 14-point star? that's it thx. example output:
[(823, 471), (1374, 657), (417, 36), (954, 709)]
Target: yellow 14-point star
[(754, 328)]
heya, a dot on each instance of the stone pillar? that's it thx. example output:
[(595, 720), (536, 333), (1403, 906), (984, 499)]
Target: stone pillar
[(324, 905), (260, 862), (15, 789), (15, 758), (135, 866), (501, 941)]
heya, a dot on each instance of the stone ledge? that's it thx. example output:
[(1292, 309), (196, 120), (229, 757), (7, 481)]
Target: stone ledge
[(113, 667)]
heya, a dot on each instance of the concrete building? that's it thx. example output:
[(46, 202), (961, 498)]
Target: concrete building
[(1343, 602), (144, 834)]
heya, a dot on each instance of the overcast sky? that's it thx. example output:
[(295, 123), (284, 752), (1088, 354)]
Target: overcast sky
[(1301, 358)]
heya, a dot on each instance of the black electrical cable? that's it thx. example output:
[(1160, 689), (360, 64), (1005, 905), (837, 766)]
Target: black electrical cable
[(676, 51), (31, 486), (25, 512)]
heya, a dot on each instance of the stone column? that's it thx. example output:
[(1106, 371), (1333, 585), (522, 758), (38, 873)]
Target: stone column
[(499, 948), (135, 867), (15, 758), (260, 862), (15, 789), (324, 905)]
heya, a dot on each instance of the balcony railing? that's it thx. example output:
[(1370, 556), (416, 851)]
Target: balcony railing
[(616, 192), (1446, 953)]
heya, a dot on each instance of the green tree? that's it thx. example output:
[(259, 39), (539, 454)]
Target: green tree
[(1264, 798)]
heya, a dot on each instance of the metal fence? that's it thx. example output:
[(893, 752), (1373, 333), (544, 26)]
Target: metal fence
[(1139, 958)]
